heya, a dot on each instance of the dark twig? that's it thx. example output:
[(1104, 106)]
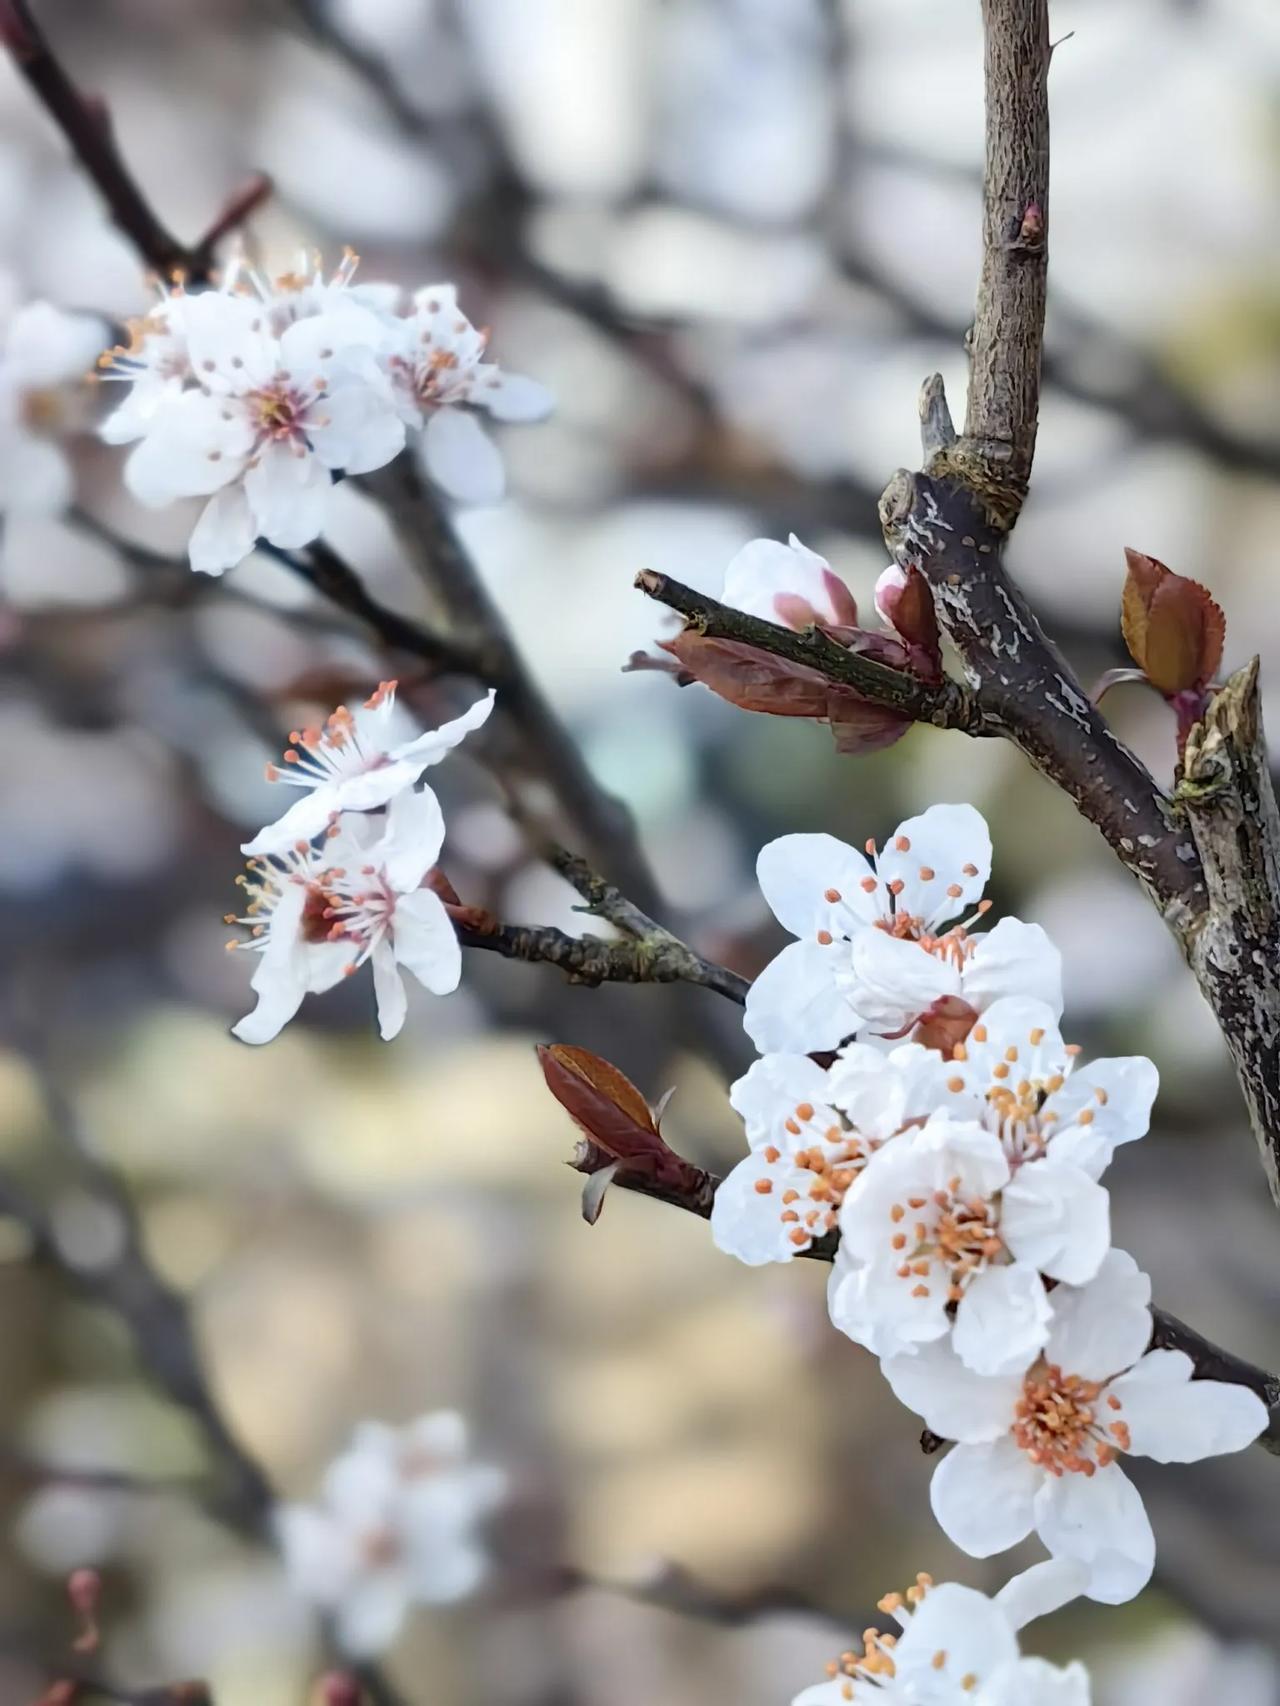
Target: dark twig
[(86, 125), (947, 704), (1168, 1333), (590, 960)]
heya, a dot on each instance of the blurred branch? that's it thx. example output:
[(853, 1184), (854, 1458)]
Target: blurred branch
[(1168, 1333), (651, 954), (947, 705), (670, 1588), (85, 123)]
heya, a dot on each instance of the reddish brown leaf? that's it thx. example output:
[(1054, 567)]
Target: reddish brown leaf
[(859, 726), (1173, 628), (750, 679), (600, 1100)]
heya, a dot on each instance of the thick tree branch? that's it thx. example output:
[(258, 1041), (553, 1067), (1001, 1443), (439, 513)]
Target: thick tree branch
[(946, 704), (1234, 949), (1168, 1333), (86, 125), (593, 961)]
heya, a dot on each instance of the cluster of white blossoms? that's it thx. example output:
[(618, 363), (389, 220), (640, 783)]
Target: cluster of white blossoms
[(343, 877), (917, 1113), (258, 395), (397, 1525)]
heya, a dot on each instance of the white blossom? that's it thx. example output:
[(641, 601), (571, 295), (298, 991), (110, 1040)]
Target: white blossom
[(1038, 1449), (266, 424), (810, 1133), (45, 356), (323, 915), (941, 1236), (396, 1526), (352, 764), (1014, 1073), (788, 584), (959, 1648), (437, 361), (877, 946)]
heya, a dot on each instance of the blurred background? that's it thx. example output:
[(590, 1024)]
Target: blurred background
[(733, 235)]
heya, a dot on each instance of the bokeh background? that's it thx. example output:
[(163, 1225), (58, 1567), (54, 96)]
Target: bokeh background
[(734, 235)]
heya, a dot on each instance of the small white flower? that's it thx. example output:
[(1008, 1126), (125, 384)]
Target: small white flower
[(811, 1132), (307, 290), (154, 364), (395, 1527), (959, 1648), (940, 1236), (44, 359), (877, 947), (788, 584), (352, 765), (1014, 1073), (267, 423), (441, 377), (361, 899), (1037, 1449)]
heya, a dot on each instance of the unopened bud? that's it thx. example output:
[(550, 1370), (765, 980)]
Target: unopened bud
[(65, 1693), (338, 1689), (905, 601), (84, 1591), (1172, 627)]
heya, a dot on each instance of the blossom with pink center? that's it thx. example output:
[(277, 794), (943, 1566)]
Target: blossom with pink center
[(360, 900), (788, 584), (441, 379), (959, 1648), (1037, 1448), (879, 945), (940, 1238), (811, 1132), (352, 764), (266, 424), (397, 1525)]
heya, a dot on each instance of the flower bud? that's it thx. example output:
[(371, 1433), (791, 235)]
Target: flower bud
[(1172, 627), (905, 602)]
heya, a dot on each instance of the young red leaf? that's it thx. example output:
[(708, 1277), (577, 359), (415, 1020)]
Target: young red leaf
[(1173, 628), (600, 1100), (859, 726), (750, 679)]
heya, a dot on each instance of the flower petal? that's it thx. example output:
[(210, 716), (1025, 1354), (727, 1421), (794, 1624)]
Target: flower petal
[(1041, 1590), (303, 821), (372, 1613), (969, 1630), (769, 1090), (984, 1496), (461, 457), (747, 1223), (429, 748), (795, 873), (795, 1004), (413, 839), (1101, 1328), (280, 980), (892, 981), (1057, 1219), (225, 533), (388, 989), (289, 496), (426, 943), (943, 861), (951, 1400), (1013, 959), (1100, 1520), (1175, 1419), (1035, 1682), (512, 397), (1002, 1320)]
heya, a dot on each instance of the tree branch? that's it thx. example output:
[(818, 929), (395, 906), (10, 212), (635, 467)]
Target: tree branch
[(1168, 1333), (1234, 948), (86, 125), (947, 704)]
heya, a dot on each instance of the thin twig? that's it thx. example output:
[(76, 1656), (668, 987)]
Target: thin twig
[(590, 960), (947, 704)]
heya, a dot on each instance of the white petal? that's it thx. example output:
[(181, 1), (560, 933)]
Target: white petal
[(413, 839), (892, 981), (224, 534), (1041, 1590), (132, 418), (426, 943), (373, 1613), (748, 1224), (35, 477), (795, 1004), (762, 570), (194, 446), (435, 744), (950, 1399), (46, 347), (878, 1310), (512, 397), (303, 821), (1013, 959), (951, 844), (360, 430), (796, 871), (229, 341), (462, 458), (1002, 1320), (1102, 1328), (388, 989), (967, 1628), (317, 1550), (1175, 1419), (445, 1570), (1056, 1218), (983, 1496), (1118, 1095), (289, 496), (1100, 1520), (1035, 1682), (280, 980), (769, 1090)]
